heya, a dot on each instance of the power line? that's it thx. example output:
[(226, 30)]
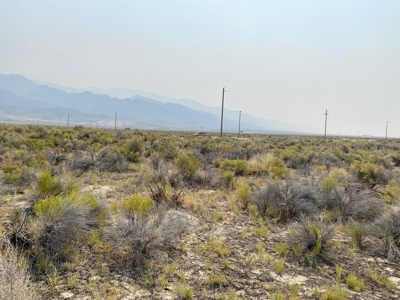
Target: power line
[(107, 64), (111, 65), (232, 90), (107, 69), (252, 95)]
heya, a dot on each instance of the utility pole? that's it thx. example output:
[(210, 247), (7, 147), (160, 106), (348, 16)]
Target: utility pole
[(222, 111), (240, 115), (326, 121), (386, 128), (68, 121), (115, 121)]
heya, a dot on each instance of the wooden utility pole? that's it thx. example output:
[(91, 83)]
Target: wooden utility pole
[(68, 121), (222, 111), (326, 122), (115, 121), (386, 128), (240, 115)]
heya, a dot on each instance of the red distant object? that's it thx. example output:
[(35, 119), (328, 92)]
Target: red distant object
[(201, 133)]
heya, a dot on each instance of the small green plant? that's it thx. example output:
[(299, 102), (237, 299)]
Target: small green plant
[(136, 204), (183, 292), (357, 233), (218, 247), (261, 250), (281, 250), (72, 283), (228, 179), (387, 283), (244, 195), (214, 279), (276, 296), (320, 169), (226, 264), (381, 279), (170, 269), (328, 184), (53, 277), (249, 260), (148, 279), (339, 272), (162, 281), (279, 266), (294, 291), (355, 283), (261, 230), (94, 239), (335, 294), (245, 232), (44, 263)]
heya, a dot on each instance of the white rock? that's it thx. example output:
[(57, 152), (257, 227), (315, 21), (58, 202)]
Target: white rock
[(66, 295)]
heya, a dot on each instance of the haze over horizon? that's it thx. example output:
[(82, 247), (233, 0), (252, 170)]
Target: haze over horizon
[(293, 59)]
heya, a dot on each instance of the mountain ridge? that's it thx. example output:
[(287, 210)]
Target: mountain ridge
[(163, 111)]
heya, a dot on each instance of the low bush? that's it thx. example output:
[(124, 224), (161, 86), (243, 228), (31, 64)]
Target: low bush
[(187, 163), (56, 157), (285, 199), (339, 174), (310, 239), (328, 184), (134, 149), (370, 172), (15, 281), (357, 232), (267, 163), (238, 166), (48, 186), (387, 229), (164, 183), (110, 159), (60, 222), (142, 234), (82, 161), (354, 205), (392, 192)]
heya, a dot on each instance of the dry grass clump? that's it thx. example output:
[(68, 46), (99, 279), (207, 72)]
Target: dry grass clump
[(82, 161), (60, 222), (310, 239), (141, 234), (15, 281), (286, 199), (387, 229), (354, 205), (164, 183), (109, 159)]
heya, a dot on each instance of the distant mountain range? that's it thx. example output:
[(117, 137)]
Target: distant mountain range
[(28, 101)]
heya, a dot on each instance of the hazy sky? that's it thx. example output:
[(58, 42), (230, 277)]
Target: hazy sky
[(299, 57)]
